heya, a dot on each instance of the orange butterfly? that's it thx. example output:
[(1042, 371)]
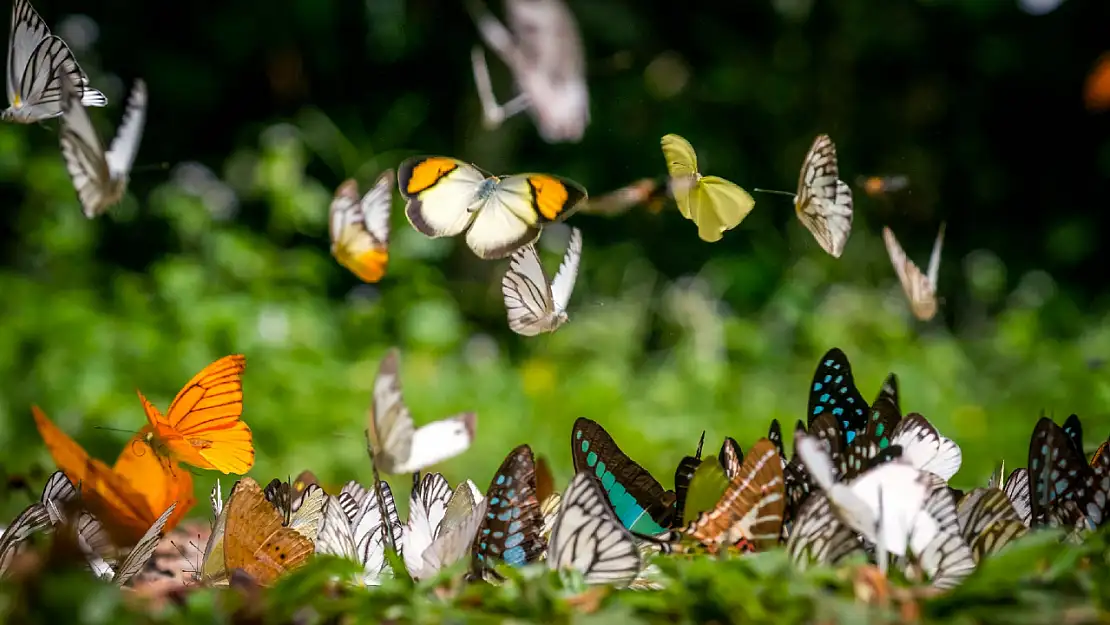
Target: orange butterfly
[(128, 497), (202, 427), (256, 539)]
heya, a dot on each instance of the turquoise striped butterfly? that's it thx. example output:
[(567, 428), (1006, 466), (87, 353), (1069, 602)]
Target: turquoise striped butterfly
[(640, 501), (512, 531)]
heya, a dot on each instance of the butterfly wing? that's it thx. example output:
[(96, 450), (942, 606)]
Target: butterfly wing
[(125, 145), (144, 549), (589, 538), (684, 473), (752, 507), (818, 536), (255, 539), (453, 543), (682, 165), (439, 193), (512, 529), (427, 507), (360, 228), (84, 154), (639, 499), (31, 520), (159, 483), (707, 485), (919, 289), (834, 390), (528, 300), (717, 205), (336, 537), (509, 218), (369, 528), (824, 203), (308, 512), (1017, 489), (57, 496), (925, 448), (563, 284)]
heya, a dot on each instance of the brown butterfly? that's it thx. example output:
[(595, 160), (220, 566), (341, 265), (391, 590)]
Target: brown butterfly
[(256, 539)]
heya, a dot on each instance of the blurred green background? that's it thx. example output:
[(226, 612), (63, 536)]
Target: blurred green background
[(259, 109)]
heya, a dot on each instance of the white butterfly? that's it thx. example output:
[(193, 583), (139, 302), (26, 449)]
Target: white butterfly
[(818, 536), (353, 528), (38, 64), (926, 449), (360, 227), (1017, 489), (427, 507), (824, 202), (303, 512), (988, 521), (453, 543), (100, 177), (920, 289), (535, 305), (40, 516), (397, 445), (212, 569), (543, 50), (589, 538), (93, 540), (549, 510)]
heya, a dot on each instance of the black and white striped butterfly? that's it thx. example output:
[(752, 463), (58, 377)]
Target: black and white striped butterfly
[(818, 536), (589, 538), (920, 288), (353, 528), (100, 177), (427, 508), (824, 202), (988, 521), (925, 448), (535, 305), (94, 541), (48, 511), (38, 64)]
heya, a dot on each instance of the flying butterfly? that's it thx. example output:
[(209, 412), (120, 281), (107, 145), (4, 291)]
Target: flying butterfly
[(834, 390), (713, 203), (640, 501), (94, 540), (500, 214), (920, 289), (877, 186), (39, 63), (535, 305), (398, 445), (99, 177), (256, 538), (543, 50), (360, 227), (123, 497), (589, 538), (823, 202), (512, 529), (203, 427)]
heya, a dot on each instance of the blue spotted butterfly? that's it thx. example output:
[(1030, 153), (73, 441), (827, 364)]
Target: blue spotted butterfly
[(512, 531), (640, 501), (1064, 489), (834, 391)]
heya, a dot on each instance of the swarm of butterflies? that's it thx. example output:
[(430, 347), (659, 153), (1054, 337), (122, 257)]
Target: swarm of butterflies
[(864, 482)]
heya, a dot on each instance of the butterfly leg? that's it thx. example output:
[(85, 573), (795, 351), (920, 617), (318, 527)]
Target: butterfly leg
[(493, 114)]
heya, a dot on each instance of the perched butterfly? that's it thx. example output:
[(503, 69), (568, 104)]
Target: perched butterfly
[(988, 521), (466, 510), (1073, 428), (684, 473), (640, 501), (535, 305), (818, 536), (512, 529), (545, 480), (1016, 488), (834, 390), (125, 497), (707, 485), (38, 64), (360, 227), (203, 426), (589, 538), (925, 448), (876, 186), (920, 289), (774, 434), (100, 177), (94, 540), (751, 508), (1057, 473), (51, 509), (713, 203), (543, 50), (500, 214), (303, 512), (256, 539), (549, 509), (353, 528), (427, 507), (400, 447)]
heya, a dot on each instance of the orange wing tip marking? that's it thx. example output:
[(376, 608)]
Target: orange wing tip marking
[(551, 196), (370, 265), (426, 173)]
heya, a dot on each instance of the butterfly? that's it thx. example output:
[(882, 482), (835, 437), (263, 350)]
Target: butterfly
[(203, 426), (256, 538), (543, 50), (925, 448), (535, 305), (51, 509), (684, 473), (512, 528), (466, 510), (360, 227), (1057, 474), (427, 507), (589, 538), (99, 177), (38, 64), (988, 521), (713, 203), (834, 390), (354, 528), (818, 536), (648, 191), (124, 497), (640, 501), (707, 485), (731, 457), (1016, 488), (920, 289), (500, 214), (303, 511), (397, 445), (823, 202), (94, 541), (752, 506), (876, 186)]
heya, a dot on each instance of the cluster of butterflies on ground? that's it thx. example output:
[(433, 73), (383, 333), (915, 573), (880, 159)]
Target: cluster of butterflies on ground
[(501, 216), (863, 481)]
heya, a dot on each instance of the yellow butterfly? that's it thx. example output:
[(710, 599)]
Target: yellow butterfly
[(360, 227), (713, 203), (446, 197), (920, 289)]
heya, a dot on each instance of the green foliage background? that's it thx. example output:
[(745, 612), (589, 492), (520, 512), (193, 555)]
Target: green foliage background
[(668, 335)]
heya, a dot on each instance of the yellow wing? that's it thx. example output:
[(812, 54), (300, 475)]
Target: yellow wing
[(682, 164), (717, 205)]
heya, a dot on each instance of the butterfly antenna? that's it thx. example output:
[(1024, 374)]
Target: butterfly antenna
[(151, 166), (701, 442), (787, 193), (101, 427)]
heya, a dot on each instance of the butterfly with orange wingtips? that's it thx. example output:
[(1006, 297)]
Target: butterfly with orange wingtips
[(128, 497), (202, 427), (360, 227)]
